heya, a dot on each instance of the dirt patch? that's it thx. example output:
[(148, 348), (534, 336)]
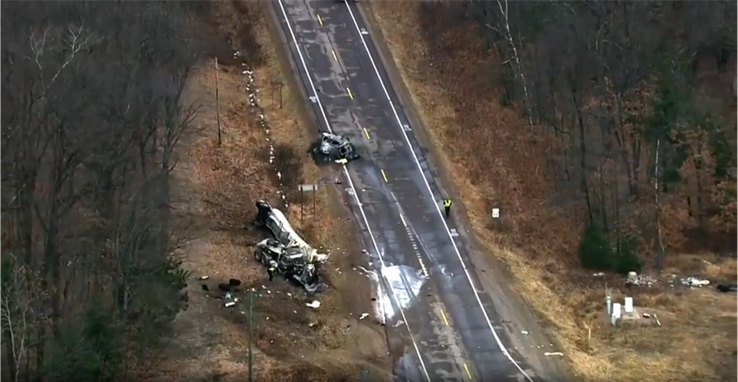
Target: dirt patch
[(452, 97), (217, 187)]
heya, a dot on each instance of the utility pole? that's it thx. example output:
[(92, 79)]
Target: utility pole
[(217, 101), (251, 336), (660, 257)]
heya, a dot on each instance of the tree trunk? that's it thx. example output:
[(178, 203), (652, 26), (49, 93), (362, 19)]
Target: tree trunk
[(582, 147), (661, 253)]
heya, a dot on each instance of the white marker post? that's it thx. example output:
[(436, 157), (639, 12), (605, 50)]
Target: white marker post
[(495, 213), (615, 313), (629, 305)]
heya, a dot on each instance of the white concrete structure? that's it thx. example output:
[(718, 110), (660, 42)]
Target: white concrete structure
[(629, 305)]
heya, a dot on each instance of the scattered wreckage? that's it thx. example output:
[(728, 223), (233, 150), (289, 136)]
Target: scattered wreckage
[(288, 253), (288, 261), (334, 147)]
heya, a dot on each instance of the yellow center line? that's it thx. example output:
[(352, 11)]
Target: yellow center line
[(349, 93), (468, 373), (445, 319), (366, 132), (335, 57), (384, 176), (320, 21)]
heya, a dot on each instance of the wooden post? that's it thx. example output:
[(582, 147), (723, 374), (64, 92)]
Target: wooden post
[(251, 336), (274, 87), (280, 93), (217, 101), (310, 188)]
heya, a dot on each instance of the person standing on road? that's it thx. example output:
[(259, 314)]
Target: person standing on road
[(447, 206), (272, 268)]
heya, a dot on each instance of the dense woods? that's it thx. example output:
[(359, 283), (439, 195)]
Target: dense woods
[(638, 154), (92, 113)]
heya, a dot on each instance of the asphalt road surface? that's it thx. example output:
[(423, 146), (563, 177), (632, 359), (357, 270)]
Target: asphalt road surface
[(451, 331)]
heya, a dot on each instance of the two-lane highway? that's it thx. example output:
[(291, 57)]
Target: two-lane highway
[(454, 331), (433, 351)]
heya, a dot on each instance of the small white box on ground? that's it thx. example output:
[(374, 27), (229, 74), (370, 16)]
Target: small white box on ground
[(616, 310), (496, 213), (629, 305)]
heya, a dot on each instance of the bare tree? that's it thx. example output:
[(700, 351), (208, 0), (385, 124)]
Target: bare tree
[(17, 315), (610, 80), (90, 138)]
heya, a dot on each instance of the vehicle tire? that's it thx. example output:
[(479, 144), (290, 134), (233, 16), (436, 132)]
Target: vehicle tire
[(261, 257), (257, 256)]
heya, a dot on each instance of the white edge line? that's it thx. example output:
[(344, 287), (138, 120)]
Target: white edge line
[(351, 184), (438, 209), (402, 218)]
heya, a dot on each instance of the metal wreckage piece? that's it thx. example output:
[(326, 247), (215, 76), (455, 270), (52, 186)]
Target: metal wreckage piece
[(336, 148), (293, 258)]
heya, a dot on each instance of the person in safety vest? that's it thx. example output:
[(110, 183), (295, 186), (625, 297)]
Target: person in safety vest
[(447, 206), (272, 268)]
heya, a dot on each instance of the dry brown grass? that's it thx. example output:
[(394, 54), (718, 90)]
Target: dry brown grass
[(218, 185), (697, 339)]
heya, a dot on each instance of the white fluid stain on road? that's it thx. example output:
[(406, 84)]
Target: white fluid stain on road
[(405, 283)]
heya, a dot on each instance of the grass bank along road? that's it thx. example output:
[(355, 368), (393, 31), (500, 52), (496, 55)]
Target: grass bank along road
[(455, 331)]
